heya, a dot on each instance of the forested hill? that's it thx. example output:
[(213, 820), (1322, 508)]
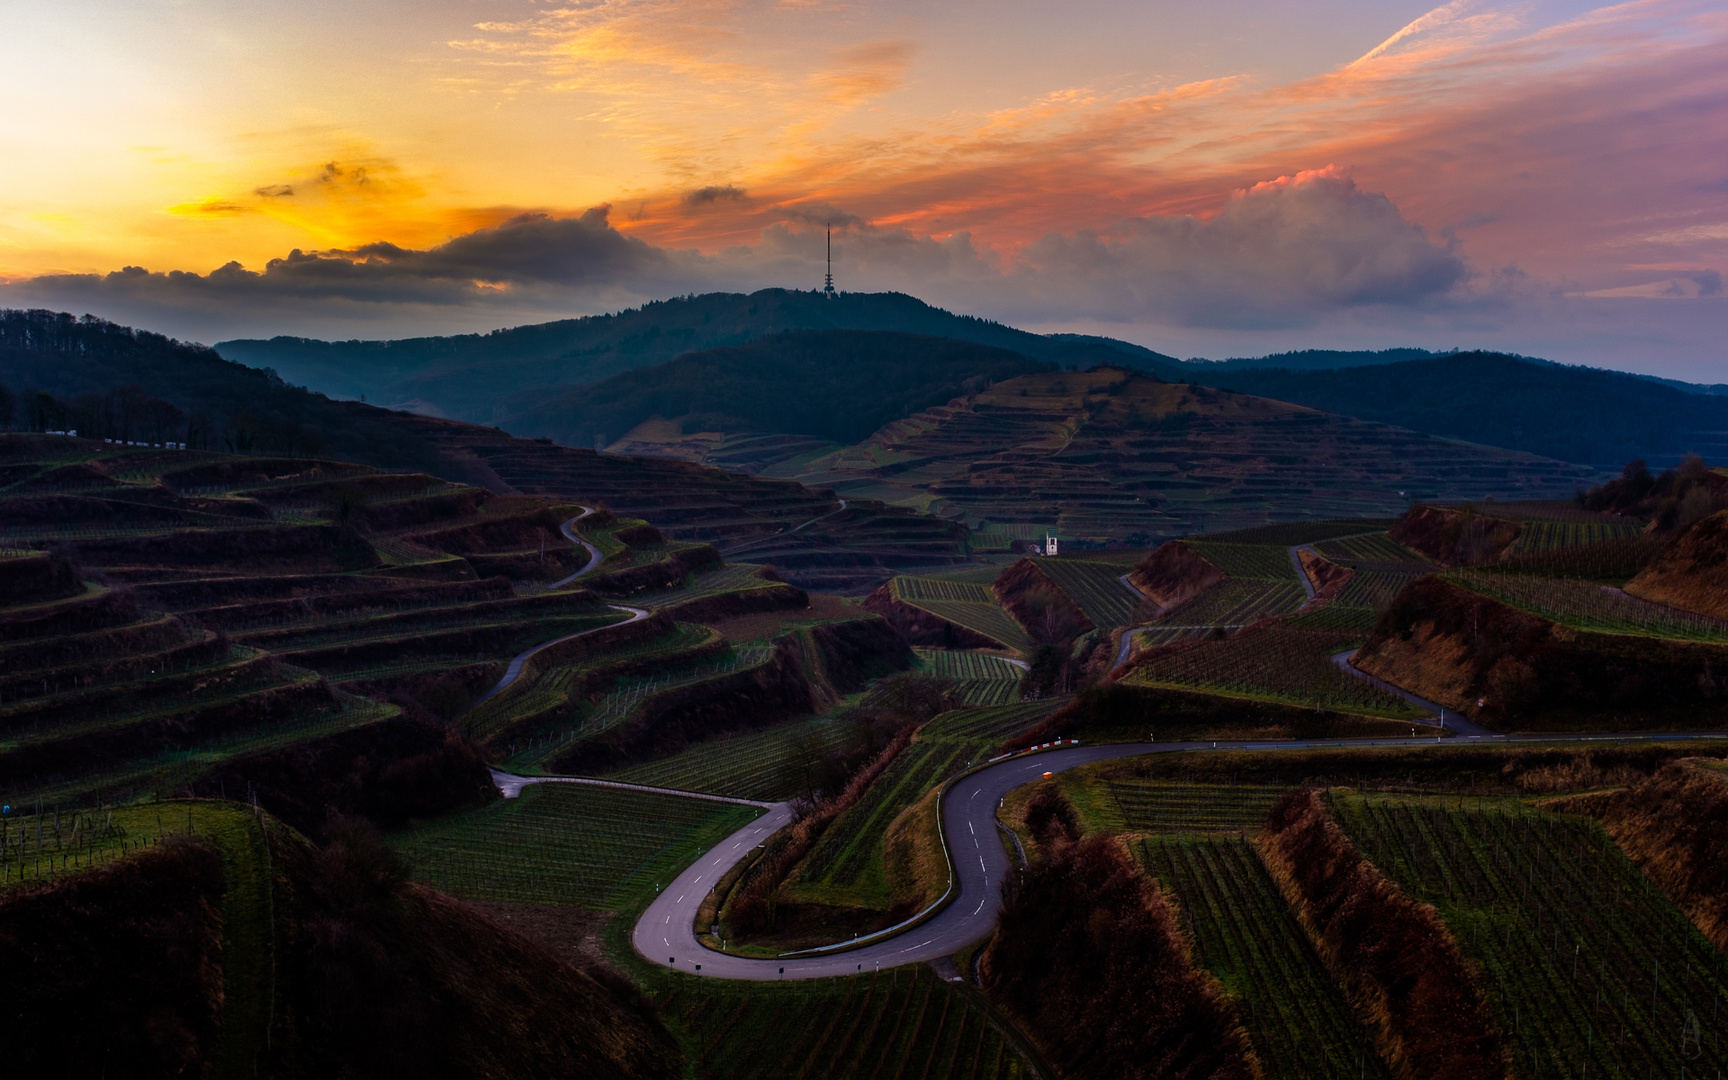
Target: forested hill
[(468, 376), (59, 372), (1582, 415), (832, 385)]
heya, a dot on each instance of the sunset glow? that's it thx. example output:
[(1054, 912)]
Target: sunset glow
[(1058, 170)]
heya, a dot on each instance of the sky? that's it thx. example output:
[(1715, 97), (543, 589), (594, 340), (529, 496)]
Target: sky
[(1230, 178)]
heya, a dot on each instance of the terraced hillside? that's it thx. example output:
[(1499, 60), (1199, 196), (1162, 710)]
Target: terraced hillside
[(203, 618), (813, 537), (1108, 454)]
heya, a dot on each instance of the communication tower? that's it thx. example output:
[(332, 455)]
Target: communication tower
[(828, 278)]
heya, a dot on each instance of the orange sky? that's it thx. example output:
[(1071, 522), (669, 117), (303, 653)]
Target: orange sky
[(1551, 149)]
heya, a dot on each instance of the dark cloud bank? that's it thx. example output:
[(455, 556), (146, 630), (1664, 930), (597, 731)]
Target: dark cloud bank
[(1296, 255)]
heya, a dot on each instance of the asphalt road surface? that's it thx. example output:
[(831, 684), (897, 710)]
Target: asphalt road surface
[(594, 555), (516, 662), (666, 934)]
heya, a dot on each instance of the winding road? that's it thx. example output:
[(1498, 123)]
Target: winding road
[(666, 932), (512, 672), (595, 558)]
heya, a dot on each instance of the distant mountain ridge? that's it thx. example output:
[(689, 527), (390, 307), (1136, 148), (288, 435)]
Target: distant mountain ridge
[(485, 378), (1576, 414), (831, 385)]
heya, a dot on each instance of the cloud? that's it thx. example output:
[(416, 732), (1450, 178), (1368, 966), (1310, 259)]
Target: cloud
[(523, 267), (705, 196), (1281, 252), (860, 72)]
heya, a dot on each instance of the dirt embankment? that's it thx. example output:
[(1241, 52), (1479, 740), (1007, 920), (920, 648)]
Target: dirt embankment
[(117, 971), (1675, 827), (1174, 574), (920, 627), (807, 672), (755, 907), (386, 772), (1464, 537), (1327, 576), (33, 578), (387, 978), (1089, 962), (1412, 986), (1123, 712), (121, 972), (1039, 605), (663, 573), (1692, 574), (295, 548), (1512, 670)]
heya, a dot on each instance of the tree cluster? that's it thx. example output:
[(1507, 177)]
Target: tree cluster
[(1674, 500)]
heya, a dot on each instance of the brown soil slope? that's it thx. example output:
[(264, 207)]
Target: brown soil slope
[(1411, 983), (1460, 649), (1675, 827), (115, 972), (1692, 574), (1174, 574), (1089, 961), (1038, 603), (1454, 537)]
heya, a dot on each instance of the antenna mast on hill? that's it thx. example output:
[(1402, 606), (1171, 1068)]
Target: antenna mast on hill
[(828, 279)]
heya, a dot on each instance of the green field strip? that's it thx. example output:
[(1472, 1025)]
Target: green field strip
[(1377, 548), (846, 864), (902, 1024), (1590, 970), (963, 604), (1163, 807), (1585, 605), (1292, 533), (569, 844), (407, 625), (971, 575), (1337, 618), (1275, 664), (546, 695), (731, 577), (1096, 587), (769, 766), (1298, 1019), (962, 664), (1239, 602), (992, 725), (1166, 635), (532, 745), (266, 682), (1535, 536), (171, 769), (1248, 562), (48, 714)]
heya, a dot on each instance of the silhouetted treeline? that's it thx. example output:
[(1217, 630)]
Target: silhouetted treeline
[(65, 373), (838, 385), (1571, 413), (1411, 983), (1673, 500), (1088, 960)]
